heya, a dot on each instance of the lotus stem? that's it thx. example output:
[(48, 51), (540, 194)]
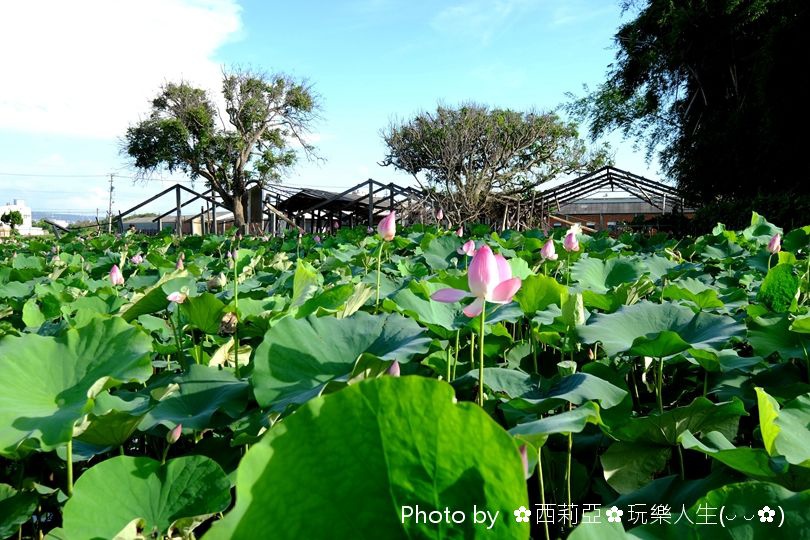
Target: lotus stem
[(379, 262), (70, 467), (680, 462), (481, 356), (455, 355), (568, 463), (542, 488), (659, 383), (236, 309)]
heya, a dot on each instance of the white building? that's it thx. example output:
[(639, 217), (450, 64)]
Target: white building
[(27, 228)]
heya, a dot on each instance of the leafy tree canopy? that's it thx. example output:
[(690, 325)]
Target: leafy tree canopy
[(718, 88), (265, 118), (472, 155)]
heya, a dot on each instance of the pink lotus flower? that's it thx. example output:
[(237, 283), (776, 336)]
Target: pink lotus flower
[(440, 215), (137, 259), (467, 249), (775, 244), (548, 252), (489, 279), (179, 265), (174, 435), (177, 297), (388, 226), (116, 277), (570, 242), (393, 369), (460, 232), (317, 239)]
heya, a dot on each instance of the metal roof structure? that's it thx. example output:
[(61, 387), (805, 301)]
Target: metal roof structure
[(654, 193)]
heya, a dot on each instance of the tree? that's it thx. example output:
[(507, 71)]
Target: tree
[(471, 156), (12, 218), (267, 115), (718, 88)]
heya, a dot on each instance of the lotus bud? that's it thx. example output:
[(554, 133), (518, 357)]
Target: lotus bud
[(440, 215), (775, 244), (460, 232), (174, 435), (591, 355), (317, 239), (239, 235), (228, 255), (524, 458), (370, 230), (177, 297), (548, 252), (388, 226), (137, 259), (393, 369), (116, 277), (228, 323), (570, 242), (217, 282), (467, 249)]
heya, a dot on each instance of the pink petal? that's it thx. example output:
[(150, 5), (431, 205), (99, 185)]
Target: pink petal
[(474, 309), (504, 270), (505, 290), (449, 295), (388, 226), (483, 273)]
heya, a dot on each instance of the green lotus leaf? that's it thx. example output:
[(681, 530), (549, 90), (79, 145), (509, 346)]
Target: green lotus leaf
[(771, 333), (701, 415), (619, 331), (114, 493), (629, 466), (203, 312), (200, 393), (753, 462), (440, 252), (573, 421), (50, 382), (578, 389), (298, 356), (785, 430), (16, 507), (601, 276), (779, 288), (392, 443), (537, 293), (153, 298)]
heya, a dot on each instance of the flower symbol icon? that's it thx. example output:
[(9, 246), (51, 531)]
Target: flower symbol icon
[(766, 514), (614, 515), (522, 515)]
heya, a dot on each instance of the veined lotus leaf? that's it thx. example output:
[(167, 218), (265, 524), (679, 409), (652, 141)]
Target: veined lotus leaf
[(392, 443), (110, 495), (50, 382)]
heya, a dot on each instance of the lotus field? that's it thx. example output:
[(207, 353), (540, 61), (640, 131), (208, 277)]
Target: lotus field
[(406, 382)]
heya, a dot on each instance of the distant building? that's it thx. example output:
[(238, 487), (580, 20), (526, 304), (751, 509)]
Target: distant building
[(27, 228)]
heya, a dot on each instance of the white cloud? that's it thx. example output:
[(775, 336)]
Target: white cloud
[(479, 19), (90, 67)]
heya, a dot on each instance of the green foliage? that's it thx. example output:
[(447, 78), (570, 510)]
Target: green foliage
[(714, 87), (13, 218), (468, 152), (183, 132)]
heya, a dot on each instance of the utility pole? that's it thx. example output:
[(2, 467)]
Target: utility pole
[(109, 206)]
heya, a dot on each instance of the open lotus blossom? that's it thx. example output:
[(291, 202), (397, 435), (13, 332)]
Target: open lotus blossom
[(775, 244), (570, 242), (388, 226), (460, 232), (440, 215), (137, 259), (548, 252), (489, 279), (177, 297), (116, 277), (467, 249)]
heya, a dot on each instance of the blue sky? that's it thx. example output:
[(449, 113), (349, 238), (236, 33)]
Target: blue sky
[(89, 69)]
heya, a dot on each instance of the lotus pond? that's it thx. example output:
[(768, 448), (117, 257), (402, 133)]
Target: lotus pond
[(224, 387)]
